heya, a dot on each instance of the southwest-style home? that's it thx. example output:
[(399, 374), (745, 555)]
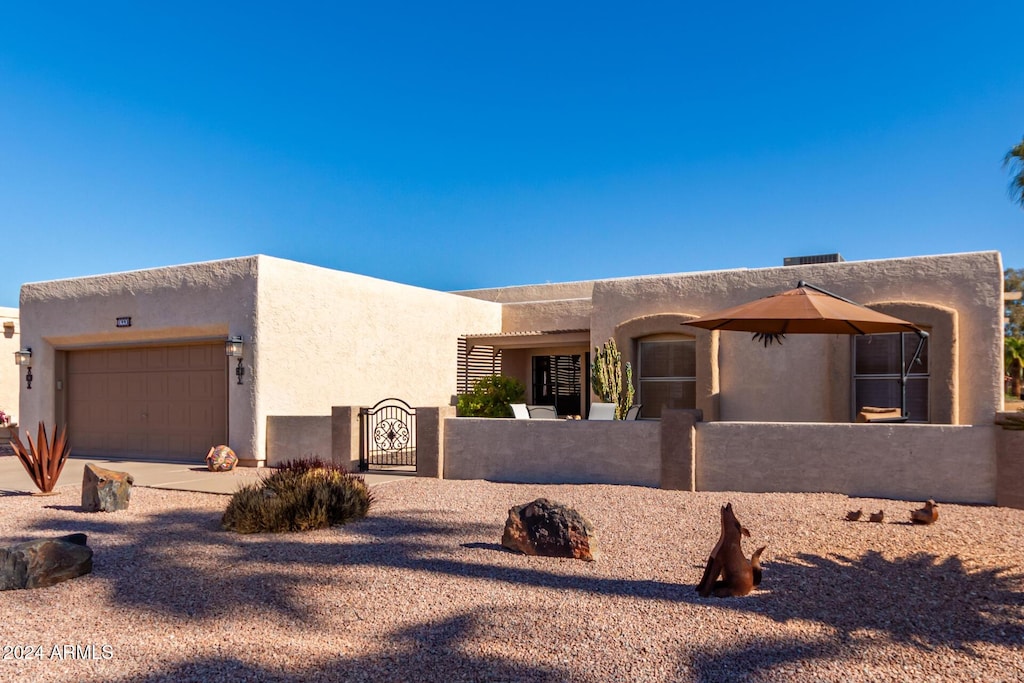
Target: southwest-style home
[(138, 364)]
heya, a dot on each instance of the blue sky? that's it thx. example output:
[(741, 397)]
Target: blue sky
[(462, 145)]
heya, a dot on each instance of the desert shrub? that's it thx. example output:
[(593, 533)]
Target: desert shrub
[(301, 495), (492, 396)]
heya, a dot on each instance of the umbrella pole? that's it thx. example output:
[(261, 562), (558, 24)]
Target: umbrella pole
[(922, 337)]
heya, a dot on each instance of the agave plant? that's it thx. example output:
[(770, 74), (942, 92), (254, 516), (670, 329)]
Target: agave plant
[(44, 459)]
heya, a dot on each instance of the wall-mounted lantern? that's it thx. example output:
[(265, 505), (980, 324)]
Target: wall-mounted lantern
[(233, 347), (24, 357)]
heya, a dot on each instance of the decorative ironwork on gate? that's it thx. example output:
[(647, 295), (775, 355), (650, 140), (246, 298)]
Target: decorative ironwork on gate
[(387, 436)]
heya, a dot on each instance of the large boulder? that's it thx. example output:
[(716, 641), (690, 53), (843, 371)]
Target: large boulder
[(550, 529), (37, 564), (105, 490)]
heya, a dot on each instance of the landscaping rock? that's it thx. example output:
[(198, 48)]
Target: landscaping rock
[(221, 459), (105, 490), (37, 564), (550, 529)]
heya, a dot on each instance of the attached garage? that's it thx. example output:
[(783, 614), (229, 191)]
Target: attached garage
[(159, 402)]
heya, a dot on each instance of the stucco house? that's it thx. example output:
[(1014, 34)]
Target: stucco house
[(136, 363), (956, 298)]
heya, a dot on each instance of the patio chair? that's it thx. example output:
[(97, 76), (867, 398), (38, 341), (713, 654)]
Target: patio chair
[(520, 411), (542, 412), (633, 412), (601, 411)]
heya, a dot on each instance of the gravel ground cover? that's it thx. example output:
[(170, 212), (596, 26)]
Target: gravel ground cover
[(422, 591)]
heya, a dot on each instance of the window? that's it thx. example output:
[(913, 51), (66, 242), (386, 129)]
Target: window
[(667, 370), (877, 359)]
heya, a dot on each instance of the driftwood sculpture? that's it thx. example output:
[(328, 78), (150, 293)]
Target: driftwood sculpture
[(929, 514), (854, 515), (728, 572), (44, 459)]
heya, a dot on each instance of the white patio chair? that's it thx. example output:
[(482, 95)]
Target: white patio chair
[(542, 412), (520, 411), (601, 411)]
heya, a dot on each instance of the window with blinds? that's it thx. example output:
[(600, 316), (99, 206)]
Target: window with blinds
[(877, 363), (667, 371)]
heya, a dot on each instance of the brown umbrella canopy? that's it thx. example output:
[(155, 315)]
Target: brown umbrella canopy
[(803, 310)]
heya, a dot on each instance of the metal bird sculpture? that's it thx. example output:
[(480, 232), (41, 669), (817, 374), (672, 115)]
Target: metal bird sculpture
[(926, 515), (877, 516), (854, 515)]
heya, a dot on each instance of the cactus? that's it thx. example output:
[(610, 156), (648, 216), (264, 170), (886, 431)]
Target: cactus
[(606, 378)]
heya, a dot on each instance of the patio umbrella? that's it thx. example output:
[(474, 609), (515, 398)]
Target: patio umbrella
[(811, 310), (803, 310)]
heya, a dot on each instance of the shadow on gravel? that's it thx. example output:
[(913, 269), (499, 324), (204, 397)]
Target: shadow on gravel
[(912, 600), (430, 651), (756, 660), (921, 600), (142, 559)]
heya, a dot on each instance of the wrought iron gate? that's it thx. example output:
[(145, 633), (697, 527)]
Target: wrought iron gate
[(387, 436)]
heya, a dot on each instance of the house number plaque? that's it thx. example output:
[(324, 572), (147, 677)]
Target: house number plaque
[(125, 321)]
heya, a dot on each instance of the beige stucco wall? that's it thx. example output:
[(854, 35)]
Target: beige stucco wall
[(328, 338), (314, 337), (532, 308), (10, 374), (1010, 466), (194, 302), (902, 461), (292, 438), (905, 462), (807, 378), (557, 291), (552, 451)]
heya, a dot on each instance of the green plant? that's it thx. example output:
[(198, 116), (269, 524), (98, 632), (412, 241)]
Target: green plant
[(1013, 362), (492, 396), (44, 459), (606, 378), (300, 495)]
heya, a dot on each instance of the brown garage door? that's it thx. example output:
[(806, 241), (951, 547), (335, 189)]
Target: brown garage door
[(148, 402)]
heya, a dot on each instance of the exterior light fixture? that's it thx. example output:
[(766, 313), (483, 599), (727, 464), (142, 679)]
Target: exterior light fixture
[(233, 347), (24, 357)]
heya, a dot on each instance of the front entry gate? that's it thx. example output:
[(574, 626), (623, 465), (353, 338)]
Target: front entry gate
[(387, 436)]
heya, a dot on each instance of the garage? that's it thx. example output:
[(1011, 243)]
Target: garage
[(148, 402)]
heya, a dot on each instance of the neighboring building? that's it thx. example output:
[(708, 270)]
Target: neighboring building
[(10, 341), (135, 362)]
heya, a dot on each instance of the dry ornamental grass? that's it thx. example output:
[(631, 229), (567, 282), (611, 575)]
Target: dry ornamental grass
[(420, 590)]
